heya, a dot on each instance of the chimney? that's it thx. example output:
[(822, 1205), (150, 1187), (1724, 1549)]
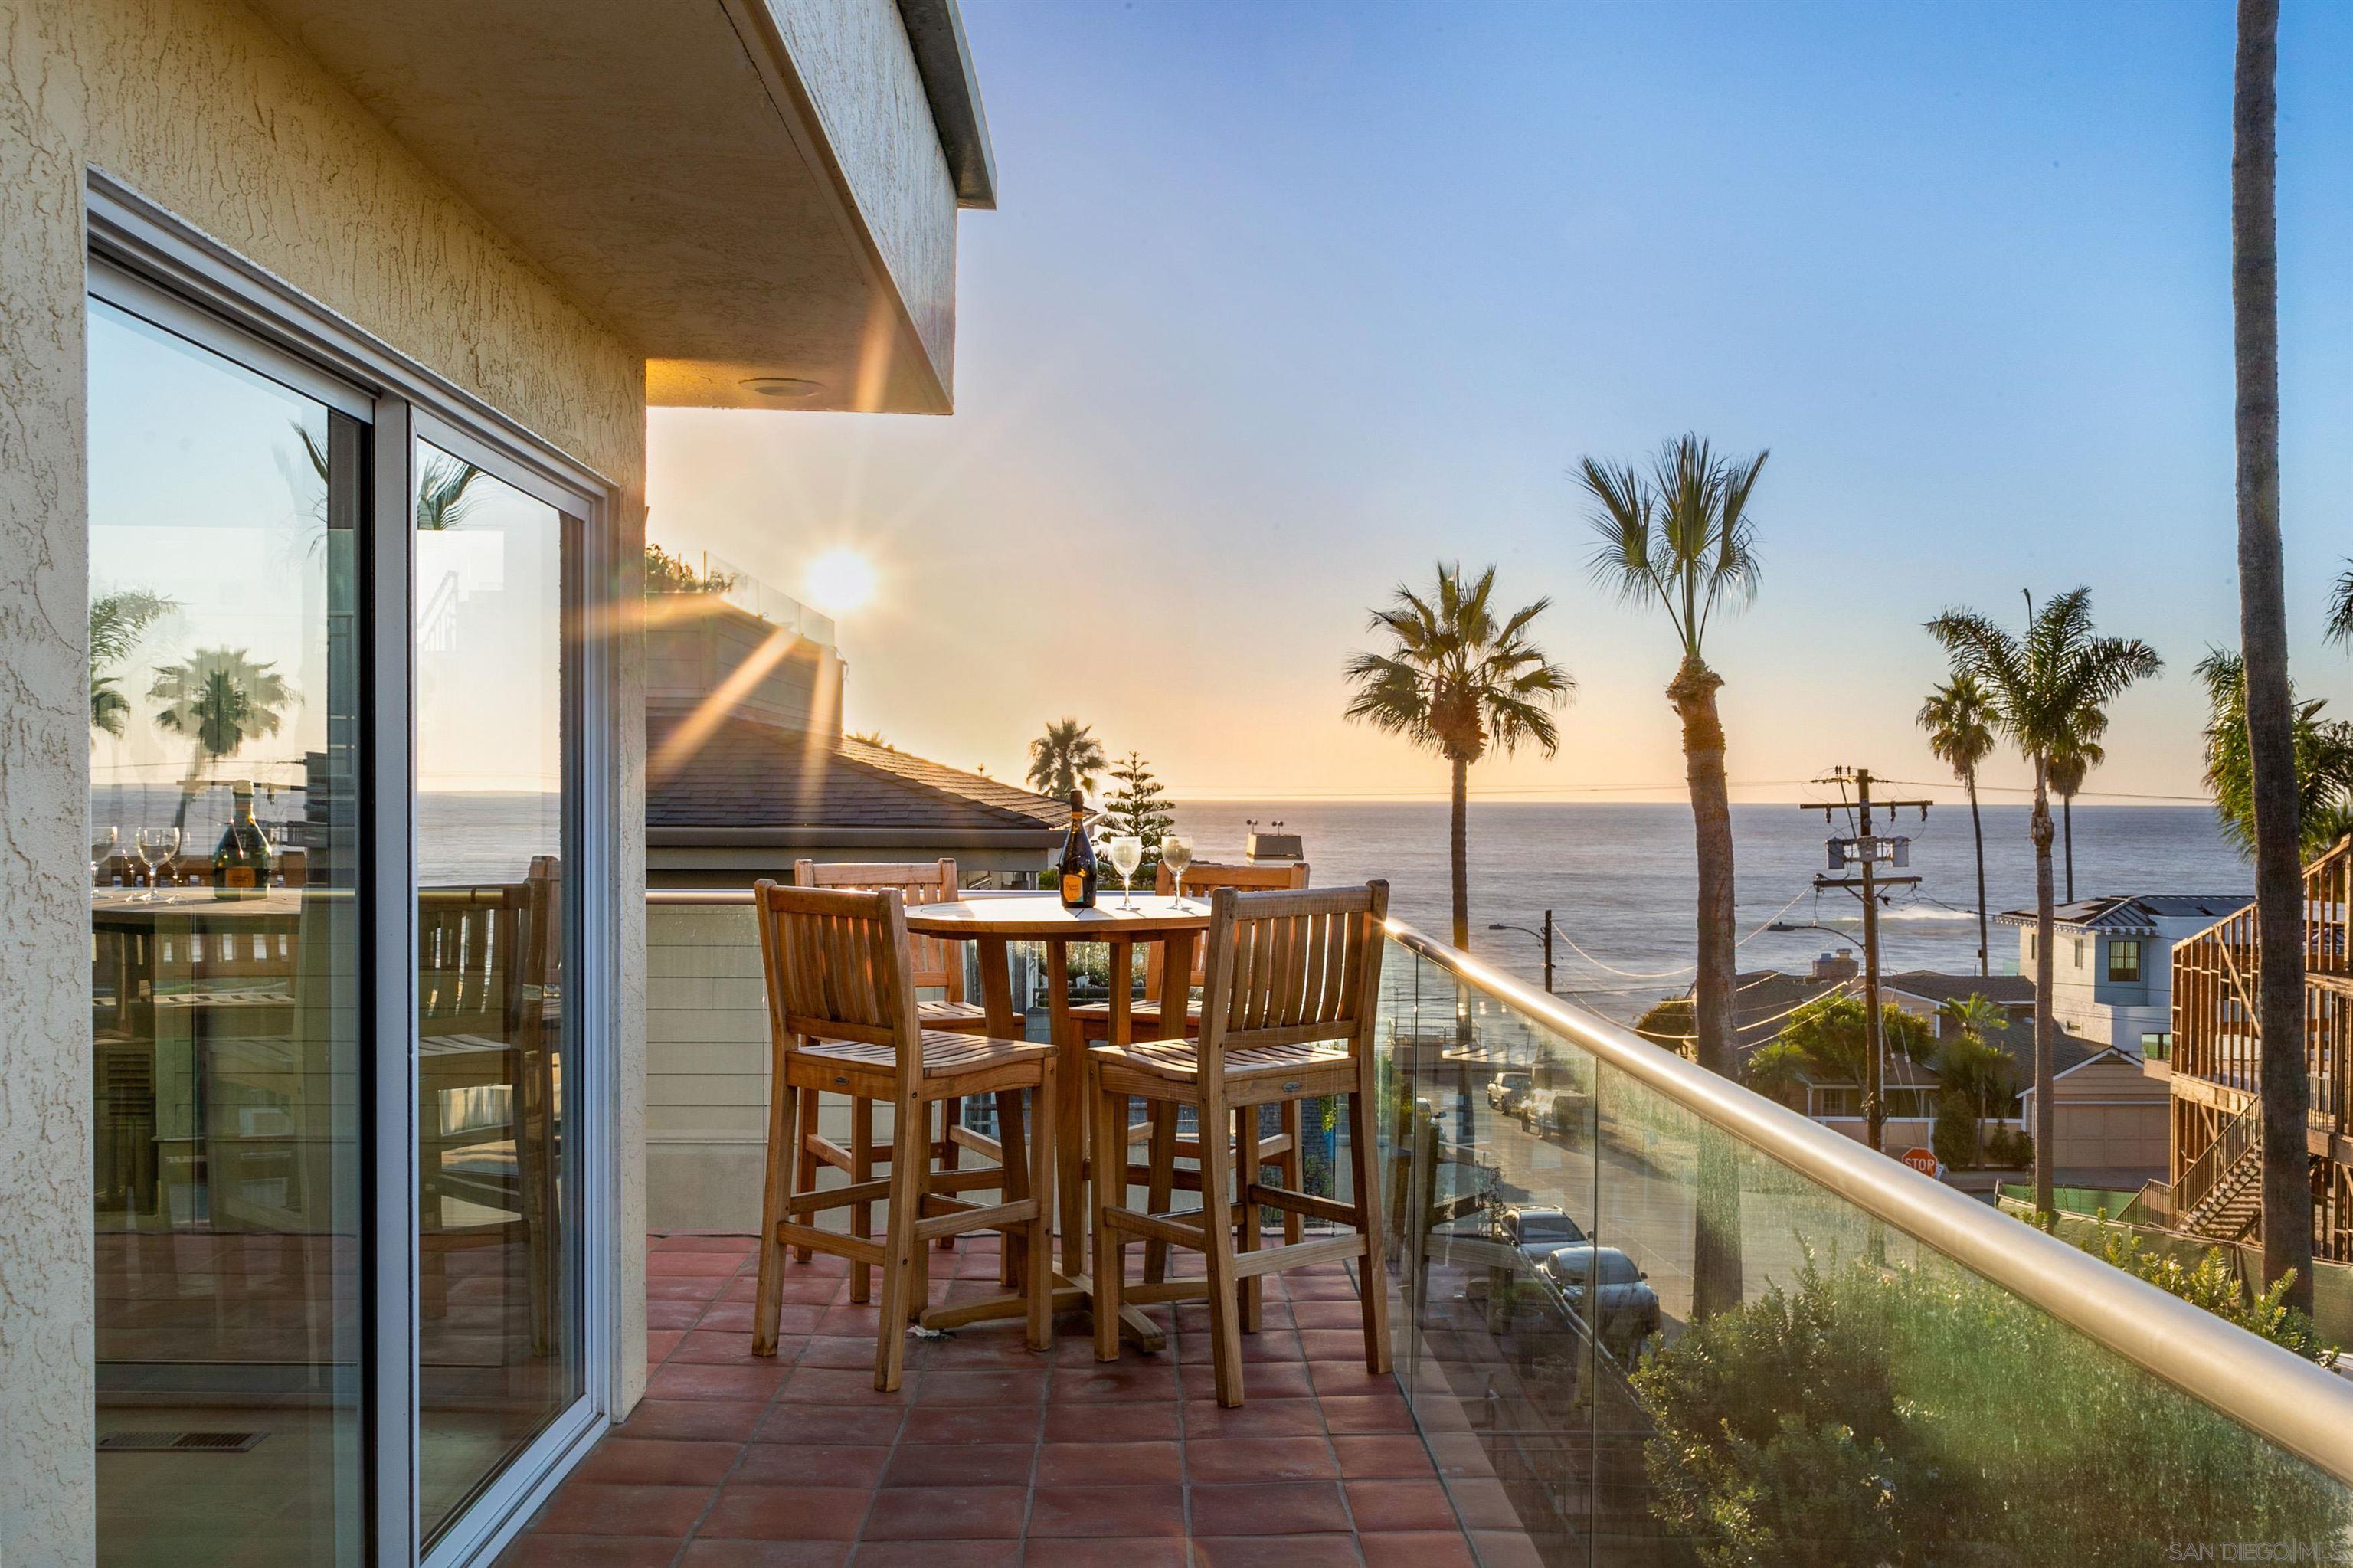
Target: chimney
[(1838, 966)]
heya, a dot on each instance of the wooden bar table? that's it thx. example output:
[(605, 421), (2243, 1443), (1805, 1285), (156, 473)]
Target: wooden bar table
[(993, 920)]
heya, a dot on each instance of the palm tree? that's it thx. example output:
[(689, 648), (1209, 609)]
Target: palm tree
[(220, 698), (1959, 723), (2323, 763), (2039, 683), (1680, 538), (116, 622), (442, 500), (2262, 641), (1067, 757), (2070, 766), (1458, 681)]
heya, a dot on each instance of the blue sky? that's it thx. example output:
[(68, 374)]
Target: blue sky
[(1283, 302)]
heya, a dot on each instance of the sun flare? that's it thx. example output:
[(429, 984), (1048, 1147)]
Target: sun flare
[(840, 581)]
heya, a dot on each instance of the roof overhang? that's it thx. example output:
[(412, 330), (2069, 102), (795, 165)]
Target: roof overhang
[(865, 835), (745, 191)]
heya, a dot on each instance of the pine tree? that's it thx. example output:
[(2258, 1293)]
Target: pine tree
[(1138, 805)]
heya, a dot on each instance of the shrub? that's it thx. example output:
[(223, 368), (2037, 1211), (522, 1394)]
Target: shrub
[(2010, 1148), (1955, 1139), (1913, 1414), (2213, 1285)]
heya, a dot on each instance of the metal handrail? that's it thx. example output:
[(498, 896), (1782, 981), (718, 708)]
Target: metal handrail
[(2238, 1137), (2279, 1395)]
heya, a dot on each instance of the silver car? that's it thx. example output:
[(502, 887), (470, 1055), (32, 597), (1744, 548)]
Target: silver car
[(1626, 1309)]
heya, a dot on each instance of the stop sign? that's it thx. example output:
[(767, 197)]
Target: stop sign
[(1924, 1160)]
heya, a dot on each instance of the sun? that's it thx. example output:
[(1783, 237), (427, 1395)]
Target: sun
[(840, 581)]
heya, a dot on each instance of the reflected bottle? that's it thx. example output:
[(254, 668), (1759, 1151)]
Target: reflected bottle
[(1077, 868), (241, 859)]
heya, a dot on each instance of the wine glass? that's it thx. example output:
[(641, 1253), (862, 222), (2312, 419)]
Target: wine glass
[(1176, 855), (157, 844), (103, 843), (1126, 854)]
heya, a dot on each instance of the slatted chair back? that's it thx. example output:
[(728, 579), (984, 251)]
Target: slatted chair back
[(932, 961), (837, 969), (466, 960), (1292, 968), (1203, 878)]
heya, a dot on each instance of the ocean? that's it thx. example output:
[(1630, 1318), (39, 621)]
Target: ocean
[(1620, 879)]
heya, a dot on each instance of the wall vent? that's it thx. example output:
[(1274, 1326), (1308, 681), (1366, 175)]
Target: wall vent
[(178, 1442)]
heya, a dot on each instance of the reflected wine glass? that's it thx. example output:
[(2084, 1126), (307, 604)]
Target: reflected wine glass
[(1176, 855), (1126, 854), (103, 843), (157, 845)]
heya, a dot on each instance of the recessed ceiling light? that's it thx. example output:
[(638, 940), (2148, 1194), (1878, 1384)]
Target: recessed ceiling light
[(783, 386)]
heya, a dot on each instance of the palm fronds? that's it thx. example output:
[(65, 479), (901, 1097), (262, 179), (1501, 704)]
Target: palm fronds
[(1679, 536), (1455, 679), (2323, 762)]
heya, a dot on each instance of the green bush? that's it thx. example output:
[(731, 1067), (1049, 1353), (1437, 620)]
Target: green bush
[(1955, 1139), (2010, 1149), (1898, 1415), (2211, 1284)]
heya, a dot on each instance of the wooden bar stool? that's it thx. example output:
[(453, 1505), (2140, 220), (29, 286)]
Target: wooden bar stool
[(1160, 1173), (1290, 990), (938, 966), (842, 1019)]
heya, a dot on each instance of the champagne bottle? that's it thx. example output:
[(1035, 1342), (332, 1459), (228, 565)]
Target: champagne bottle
[(1078, 863), (241, 859)]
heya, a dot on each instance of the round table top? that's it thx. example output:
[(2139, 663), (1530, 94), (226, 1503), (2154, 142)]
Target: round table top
[(185, 903), (1040, 916)]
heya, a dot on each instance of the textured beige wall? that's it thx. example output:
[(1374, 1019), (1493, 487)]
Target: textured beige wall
[(854, 59), (199, 107)]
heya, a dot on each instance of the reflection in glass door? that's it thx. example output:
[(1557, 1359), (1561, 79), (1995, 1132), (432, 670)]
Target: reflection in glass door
[(498, 1300), (224, 515)]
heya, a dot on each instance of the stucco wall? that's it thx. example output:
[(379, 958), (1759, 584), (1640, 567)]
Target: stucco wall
[(199, 107), (860, 70)]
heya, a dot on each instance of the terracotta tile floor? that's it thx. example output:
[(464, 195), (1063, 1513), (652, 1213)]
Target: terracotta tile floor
[(991, 1453)]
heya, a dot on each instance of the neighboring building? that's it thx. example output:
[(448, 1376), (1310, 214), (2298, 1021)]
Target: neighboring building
[(2109, 1117), (355, 1167), (1925, 993), (2216, 1083), (747, 768), (2112, 963)]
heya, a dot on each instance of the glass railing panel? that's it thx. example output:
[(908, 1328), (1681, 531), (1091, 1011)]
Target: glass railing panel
[(1733, 1363)]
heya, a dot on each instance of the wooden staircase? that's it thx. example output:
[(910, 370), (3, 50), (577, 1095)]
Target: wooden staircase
[(2220, 1196)]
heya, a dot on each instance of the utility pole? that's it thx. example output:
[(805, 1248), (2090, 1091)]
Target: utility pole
[(1547, 947), (1867, 850)]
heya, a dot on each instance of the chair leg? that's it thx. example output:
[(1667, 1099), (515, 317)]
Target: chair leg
[(951, 1152), (1293, 1165), (805, 1157), (1110, 1191), (1249, 1172), (788, 1109), (1037, 1250), (861, 1169), (1217, 1203), (899, 1276), (1373, 1283), (1015, 1169), (1160, 1191)]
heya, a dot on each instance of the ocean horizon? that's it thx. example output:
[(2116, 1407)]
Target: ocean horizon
[(1620, 879)]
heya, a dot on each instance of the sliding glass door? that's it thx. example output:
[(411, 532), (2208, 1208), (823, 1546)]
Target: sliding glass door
[(342, 1053), (225, 1043), (498, 1304)]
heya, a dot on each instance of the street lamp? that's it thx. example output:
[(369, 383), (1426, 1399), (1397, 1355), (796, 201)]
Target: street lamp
[(1543, 936)]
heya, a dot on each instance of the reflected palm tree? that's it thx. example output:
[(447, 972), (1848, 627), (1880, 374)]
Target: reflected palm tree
[(442, 498), (218, 698), (116, 622)]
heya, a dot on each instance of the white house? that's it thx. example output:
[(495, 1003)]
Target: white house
[(2112, 963)]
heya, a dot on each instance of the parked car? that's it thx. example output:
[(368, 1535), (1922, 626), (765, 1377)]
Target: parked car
[(1547, 1112), (1627, 1308), (1538, 1232), (1506, 1090)]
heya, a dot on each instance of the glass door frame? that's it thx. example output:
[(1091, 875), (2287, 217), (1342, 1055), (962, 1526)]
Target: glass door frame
[(224, 301)]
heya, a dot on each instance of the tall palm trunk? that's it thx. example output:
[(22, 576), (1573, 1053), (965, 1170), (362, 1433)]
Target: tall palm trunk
[(1458, 843), (1716, 1260), (2067, 827), (1976, 826), (2045, 1032), (2262, 641)]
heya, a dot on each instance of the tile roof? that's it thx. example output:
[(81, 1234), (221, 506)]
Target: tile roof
[(1931, 985), (750, 775)]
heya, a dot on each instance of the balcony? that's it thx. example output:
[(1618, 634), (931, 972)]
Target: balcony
[(1675, 1323)]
